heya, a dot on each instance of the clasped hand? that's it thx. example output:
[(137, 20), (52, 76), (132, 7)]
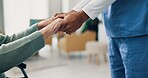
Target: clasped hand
[(66, 22), (72, 20)]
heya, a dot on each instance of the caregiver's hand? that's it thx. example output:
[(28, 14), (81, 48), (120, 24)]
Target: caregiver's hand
[(62, 14), (72, 21)]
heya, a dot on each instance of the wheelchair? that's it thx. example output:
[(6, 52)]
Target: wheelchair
[(22, 67)]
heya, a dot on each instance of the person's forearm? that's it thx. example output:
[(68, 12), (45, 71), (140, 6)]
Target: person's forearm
[(24, 33), (17, 51), (95, 7), (13, 53), (6, 38), (45, 32)]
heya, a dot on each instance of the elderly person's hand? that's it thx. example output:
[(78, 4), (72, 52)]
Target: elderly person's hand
[(51, 28), (72, 20), (44, 23)]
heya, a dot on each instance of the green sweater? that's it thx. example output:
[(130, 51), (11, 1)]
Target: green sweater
[(18, 47)]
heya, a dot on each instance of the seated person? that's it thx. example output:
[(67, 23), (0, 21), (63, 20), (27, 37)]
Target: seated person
[(18, 47)]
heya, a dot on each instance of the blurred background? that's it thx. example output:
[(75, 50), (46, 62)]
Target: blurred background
[(80, 55)]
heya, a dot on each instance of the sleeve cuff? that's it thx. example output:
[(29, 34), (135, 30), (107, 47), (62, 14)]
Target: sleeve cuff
[(33, 27), (95, 7), (87, 11)]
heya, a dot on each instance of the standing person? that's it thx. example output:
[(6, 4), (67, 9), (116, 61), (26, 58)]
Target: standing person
[(126, 23), (18, 47)]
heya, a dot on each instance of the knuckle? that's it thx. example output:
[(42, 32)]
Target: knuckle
[(58, 15), (54, 14)]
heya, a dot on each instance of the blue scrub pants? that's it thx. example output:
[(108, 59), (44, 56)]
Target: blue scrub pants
[(129, 57)]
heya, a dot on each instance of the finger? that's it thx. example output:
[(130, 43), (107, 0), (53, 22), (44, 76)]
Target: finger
[(55, 14), (70, 31), (60, 16), (65, 29), (63, 26), (56, 27)]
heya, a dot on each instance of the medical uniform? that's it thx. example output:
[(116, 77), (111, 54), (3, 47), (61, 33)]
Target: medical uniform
[(126, 24)]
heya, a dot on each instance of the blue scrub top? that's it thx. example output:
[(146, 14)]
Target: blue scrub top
[(126, 18)]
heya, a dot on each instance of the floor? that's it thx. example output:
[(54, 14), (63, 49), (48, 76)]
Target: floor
[(59, 67), (75, 69)]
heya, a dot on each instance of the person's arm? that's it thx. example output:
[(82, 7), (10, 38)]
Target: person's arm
[(90, 10), (95, 7), (29, 30), (6, 38), (15, 52)]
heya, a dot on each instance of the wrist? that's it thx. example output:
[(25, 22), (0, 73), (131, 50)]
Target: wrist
[(83, 16), (45, 32)]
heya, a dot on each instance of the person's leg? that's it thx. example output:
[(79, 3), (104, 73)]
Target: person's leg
[(134, 52), (116, 65)]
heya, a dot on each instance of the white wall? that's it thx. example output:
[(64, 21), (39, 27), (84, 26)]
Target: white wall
[(69, 4), (1, 17), (16, 15), (54, 6), (39, 9)]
